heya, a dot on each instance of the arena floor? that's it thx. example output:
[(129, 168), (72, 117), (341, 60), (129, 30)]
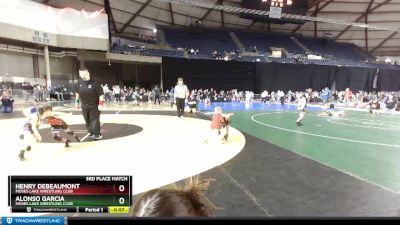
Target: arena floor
[(344, 166), (359, 143)]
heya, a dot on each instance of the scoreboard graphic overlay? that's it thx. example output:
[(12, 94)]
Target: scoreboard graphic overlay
[(70, 194)]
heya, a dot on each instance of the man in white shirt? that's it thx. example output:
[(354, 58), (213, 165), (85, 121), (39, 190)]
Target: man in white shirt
[(180, 93), (117, 93), (301, 107), (264, 96)]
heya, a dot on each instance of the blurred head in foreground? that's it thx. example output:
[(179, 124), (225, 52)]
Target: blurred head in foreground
[(174, 202)]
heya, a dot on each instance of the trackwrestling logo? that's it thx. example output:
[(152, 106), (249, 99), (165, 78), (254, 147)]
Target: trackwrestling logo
[(33, 220)]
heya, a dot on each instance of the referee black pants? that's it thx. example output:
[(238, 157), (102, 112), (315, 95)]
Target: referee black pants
[(180, 106), (91, 114), (157, 97)]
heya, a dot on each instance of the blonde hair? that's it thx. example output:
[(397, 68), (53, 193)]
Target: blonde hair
[(218, 109)]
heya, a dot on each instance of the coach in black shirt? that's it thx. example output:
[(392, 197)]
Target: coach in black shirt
[(91, 95)]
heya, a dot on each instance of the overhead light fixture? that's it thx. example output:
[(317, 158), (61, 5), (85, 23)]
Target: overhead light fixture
[(226, 8), (154, 30)]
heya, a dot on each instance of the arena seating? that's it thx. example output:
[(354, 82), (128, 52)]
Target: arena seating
[(206, 41), (264, 42), (163, 52), (338, 50)]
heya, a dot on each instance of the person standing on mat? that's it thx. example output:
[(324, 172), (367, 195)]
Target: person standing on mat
[(90, 93), (180, 94), (301, 107), (172, 97), (157, 92)]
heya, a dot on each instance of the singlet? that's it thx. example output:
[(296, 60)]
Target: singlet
[(34, 114), (54, 121), (302, 104)]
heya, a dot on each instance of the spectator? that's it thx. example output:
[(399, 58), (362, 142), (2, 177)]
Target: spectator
[(374, 106), (28, 90), (117, 93), (348, 96), (172, 98), (191, 104), (7, 102), (59, 93), (107, 93), (390, 104), (326, 95), (157, 92), (36, 92)]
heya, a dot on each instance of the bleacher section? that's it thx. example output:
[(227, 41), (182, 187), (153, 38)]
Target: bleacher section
[(264, 42), (180, 42), (205, 42), (331, 48), (163, 52)]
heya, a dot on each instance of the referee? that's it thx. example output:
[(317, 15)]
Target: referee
[(91, 95), (180, 93)]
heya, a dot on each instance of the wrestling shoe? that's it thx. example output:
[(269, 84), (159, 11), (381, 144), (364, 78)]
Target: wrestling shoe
[(97, 137), (21, 155), (67, 143), (77, 138)]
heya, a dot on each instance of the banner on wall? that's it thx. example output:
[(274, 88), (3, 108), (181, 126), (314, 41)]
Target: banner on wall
[(34, 22)]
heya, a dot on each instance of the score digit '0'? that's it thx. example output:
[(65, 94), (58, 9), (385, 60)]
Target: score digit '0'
[(121, 200)]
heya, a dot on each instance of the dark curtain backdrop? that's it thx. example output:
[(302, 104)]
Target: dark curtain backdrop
[(219, 75), (389, 80), (295, 77), (274, 76)]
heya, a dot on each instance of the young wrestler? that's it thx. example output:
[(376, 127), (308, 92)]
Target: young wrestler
[(30, 132), (301, 107), (57, 125), (220, 125)]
